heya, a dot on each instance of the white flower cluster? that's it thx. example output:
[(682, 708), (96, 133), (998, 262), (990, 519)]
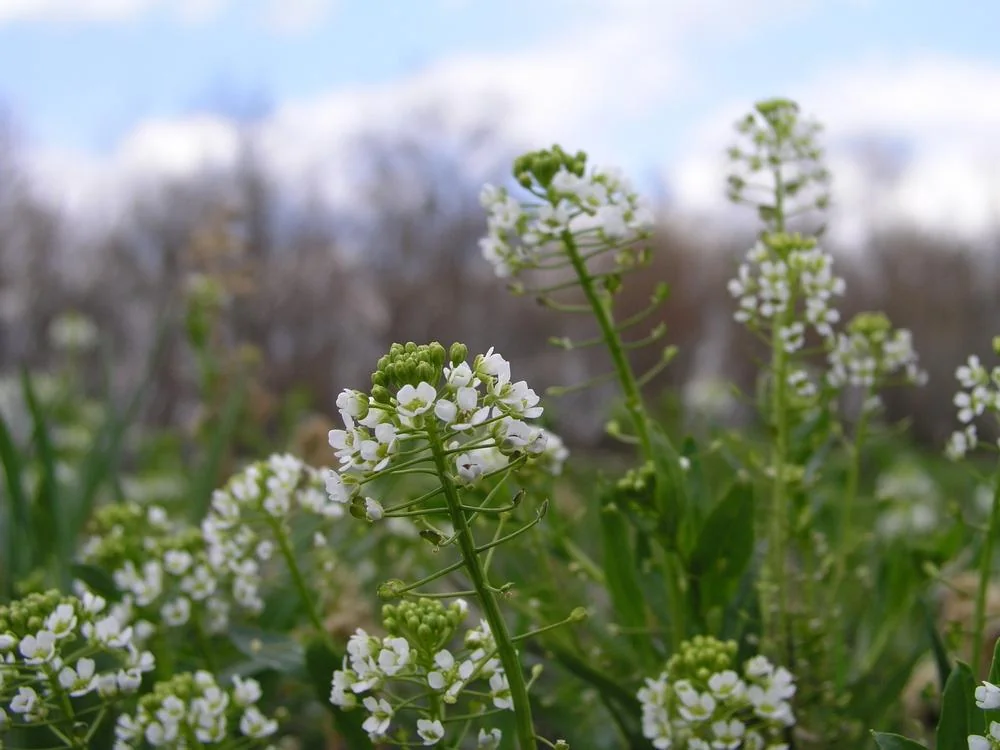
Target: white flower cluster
[(601, 205), (421, 661), (979, 393), (192, 710), (480, 410), (723, 711), (246, 514), (73, 332), (910, 502), (54, 649), (865, 361), (767, 286), (160, 566), (988, 699)]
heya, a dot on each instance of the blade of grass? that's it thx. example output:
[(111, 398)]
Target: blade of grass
[(206, 478), (46, 531), (14, 512), (102, 462)]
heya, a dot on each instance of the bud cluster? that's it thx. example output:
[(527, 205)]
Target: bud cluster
[(415, 659), (596, 207), (701, 702), (872, 355), (480, 413), (192, 710), (56, 649), (249, 513)]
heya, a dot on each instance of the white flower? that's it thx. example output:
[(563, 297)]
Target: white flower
[(373, 509), (978, 742), (246, 691), (450, 676), (414, 401), (988, 696), (352, 404), (176, 562), (431, 732), (726, 685), (728, 734), (394, 656), (768, 704), (176, 612), (696, 706), (489, 740), (79, 681), (25, 701), (254, 724), (380, 716), (338, 491), (38, 648), (500, 691), (62, 621)]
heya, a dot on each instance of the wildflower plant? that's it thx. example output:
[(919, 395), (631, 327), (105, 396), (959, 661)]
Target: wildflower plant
[(415, 671), (432, 414), (978, 395), (193, 710), (786, 293), (728, 577), (701, 701), (64, 662)]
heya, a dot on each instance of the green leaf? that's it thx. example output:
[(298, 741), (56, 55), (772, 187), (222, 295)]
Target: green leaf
[(207, 478), (321, 662), (670, 498), (620, 574), (724, 547), (98, 580), (959, 715), (47, 522), (102, 460), (277, 651), (937, 646), (995, 666), (887, 741), (13, 513)]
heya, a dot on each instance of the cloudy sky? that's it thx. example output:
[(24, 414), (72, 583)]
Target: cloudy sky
[(106, 92)]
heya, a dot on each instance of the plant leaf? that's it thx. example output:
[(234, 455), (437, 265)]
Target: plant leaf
[(724, 547), (620, 574), (13, 513), (46, 533), (959, 715)]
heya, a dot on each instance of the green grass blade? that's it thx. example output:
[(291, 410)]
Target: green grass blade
[(13, 512), (47, 528), (207, 478)]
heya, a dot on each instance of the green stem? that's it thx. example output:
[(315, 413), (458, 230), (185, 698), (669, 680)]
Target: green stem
[(985, 568), (850, 497), (774, 619), (776, 604), (601, 305), (605, 320), (297, 578), (524, 726)]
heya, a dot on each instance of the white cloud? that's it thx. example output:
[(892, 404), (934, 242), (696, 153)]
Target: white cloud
[(295, 15), (97, 11), (279, 15), (941, 112), (612, 63), (618, 61)]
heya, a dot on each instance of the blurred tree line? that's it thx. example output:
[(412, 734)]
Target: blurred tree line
[(312, 296)]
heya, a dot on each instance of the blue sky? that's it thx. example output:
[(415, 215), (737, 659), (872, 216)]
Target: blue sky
[(653, 84)]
